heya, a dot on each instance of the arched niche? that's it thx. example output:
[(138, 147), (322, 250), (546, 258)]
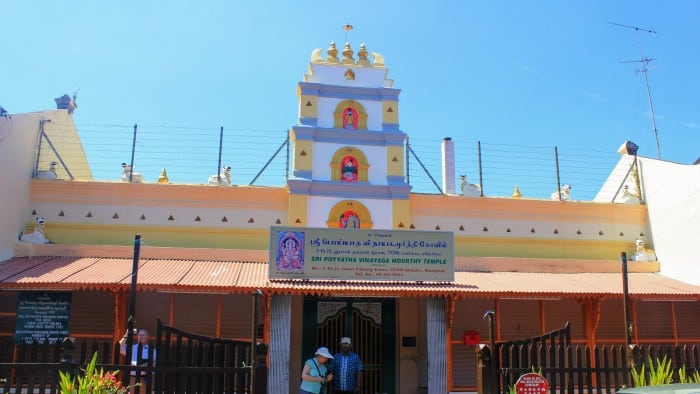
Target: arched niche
[(343, 212), (349, 75), (339, 161), (350, 115)]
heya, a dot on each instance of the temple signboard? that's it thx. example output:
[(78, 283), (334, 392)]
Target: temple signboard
[(42, 316), (357, 254)]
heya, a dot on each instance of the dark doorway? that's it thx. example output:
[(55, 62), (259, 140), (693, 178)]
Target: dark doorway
[(370, 322)]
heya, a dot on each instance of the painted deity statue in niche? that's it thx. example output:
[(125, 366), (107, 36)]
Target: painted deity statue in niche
[(350, 118), (349, 219), (348, 169)]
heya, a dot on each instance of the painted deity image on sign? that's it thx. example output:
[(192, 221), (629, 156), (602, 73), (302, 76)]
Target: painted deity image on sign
[(290, 250)]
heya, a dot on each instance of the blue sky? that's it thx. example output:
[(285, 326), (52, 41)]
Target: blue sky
[(533, 74)]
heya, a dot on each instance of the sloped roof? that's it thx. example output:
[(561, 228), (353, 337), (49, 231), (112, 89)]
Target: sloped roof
[(243, 277)]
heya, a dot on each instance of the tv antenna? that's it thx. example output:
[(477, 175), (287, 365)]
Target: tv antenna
[(644, 61)]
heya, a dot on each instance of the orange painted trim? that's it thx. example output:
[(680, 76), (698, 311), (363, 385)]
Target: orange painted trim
[(119, 312), (674, 323), (171, 311), (552, 265), (543, 322), (497, 322), (635, 326), (150, 252), (217, 325)]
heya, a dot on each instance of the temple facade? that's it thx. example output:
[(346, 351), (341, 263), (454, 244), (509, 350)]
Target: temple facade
[(342, 249)]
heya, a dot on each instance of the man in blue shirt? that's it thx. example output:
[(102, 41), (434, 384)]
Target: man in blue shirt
[(347, 369)]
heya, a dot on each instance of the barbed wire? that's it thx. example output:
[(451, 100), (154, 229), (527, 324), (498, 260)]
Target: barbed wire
[(191, 154), (533, 169)]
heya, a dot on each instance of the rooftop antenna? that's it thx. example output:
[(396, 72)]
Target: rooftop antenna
[(644, 61), (347, 27)]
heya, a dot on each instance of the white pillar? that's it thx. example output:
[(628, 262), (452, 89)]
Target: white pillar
[(448, 166), (280, 343), (437, 350)]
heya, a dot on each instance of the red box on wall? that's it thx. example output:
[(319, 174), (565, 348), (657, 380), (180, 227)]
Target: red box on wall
[(471, 338)]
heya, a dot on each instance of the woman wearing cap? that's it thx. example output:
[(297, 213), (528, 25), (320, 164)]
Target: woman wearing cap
[(314, 375)]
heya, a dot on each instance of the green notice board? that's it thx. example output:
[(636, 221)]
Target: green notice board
[(42, 316)]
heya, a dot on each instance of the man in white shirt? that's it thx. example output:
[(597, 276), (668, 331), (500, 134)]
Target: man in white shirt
[(138, 359)]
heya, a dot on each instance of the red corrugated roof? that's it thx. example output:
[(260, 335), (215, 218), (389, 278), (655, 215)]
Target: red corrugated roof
[(154, 272), (238, 276)]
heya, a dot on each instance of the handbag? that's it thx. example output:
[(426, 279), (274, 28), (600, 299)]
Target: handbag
[(323, 385)]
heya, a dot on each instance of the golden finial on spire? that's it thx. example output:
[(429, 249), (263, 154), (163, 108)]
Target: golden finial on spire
[(332, 53), (516, 192), (163, 178), (347, 54), (362, 55)]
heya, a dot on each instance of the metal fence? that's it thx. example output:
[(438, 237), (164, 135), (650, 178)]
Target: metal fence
[(261, 157), (574, 368), (186, 363)]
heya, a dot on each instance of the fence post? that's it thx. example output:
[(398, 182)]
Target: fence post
[(486, 370), (634, 358), (556, 165), (481, 175), (133, 152), (408, 169), (218, 167), (260, 372), (68, 364)]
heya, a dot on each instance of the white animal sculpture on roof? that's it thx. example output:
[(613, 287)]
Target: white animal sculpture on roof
[(642, 253), (630, 195), (136, 177), (468, 189), (48, 174), (564, 194), (37, 236), (223, 178)]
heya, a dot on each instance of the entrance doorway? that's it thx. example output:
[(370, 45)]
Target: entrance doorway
[(370, 322)]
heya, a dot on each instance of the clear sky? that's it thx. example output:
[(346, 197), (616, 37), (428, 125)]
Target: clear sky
[(520, 73)]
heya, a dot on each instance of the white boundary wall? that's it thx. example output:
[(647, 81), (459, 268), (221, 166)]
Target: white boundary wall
[(672, 194), (18, 138)]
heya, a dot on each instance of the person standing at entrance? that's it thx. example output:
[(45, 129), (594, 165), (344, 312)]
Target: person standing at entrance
[(138, 359), (347, 369), (315, 374)]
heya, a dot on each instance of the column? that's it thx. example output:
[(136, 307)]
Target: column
[(280, 327), (437, 358)]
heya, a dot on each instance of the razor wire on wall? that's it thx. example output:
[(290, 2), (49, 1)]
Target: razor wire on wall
[(191, 155)]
